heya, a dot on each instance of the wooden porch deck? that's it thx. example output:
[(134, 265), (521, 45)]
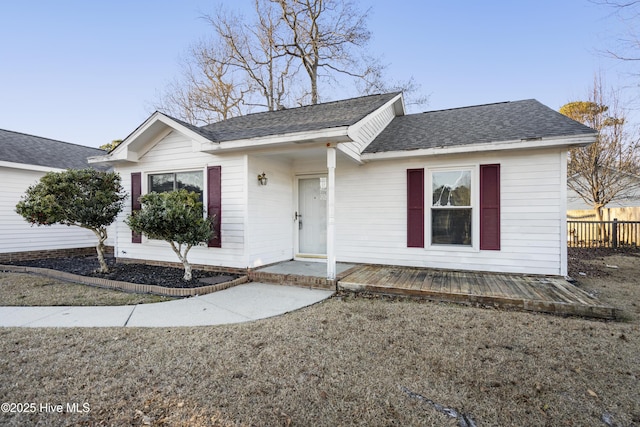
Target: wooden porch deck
[(533, 293)]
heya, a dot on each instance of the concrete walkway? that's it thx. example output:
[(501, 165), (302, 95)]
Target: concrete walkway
[(242, 303)]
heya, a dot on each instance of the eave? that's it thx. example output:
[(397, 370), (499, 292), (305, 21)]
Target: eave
[(520, 144), (29, 167), (332, 135), (134, 146)]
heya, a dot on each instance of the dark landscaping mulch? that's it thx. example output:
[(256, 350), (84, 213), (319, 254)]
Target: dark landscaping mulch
[(168, 277)]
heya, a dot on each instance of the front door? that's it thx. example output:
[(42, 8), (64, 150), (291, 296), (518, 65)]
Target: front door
[(312, 216)]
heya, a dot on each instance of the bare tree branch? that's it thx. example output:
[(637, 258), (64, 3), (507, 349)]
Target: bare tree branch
[(606, 170), (287, 55), (323, 34), (627, 11)]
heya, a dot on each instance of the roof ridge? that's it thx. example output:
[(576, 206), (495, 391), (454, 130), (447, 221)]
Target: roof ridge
[(309, 106), (476, 106), (50, 139)]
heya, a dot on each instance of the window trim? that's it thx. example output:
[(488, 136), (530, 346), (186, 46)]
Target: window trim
[(145, 190), (174, 173), (475, 209)]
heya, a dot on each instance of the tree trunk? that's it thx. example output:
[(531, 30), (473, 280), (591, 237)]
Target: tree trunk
[(598, 210), (187, 270), (313, 75), (183, 258), (314, 91), (601, 229), (102, 236)]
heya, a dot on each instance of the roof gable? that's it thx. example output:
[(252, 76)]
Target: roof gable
[(302, 119), (145, 136), (505, 121), (16, 147), (317, 122)]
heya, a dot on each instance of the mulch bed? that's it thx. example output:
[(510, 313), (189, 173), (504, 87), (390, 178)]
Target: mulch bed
[(168, 277)]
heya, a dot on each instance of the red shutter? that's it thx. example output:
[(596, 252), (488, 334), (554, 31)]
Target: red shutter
[(415, 208), (490, 207), (214, 203), (136, 191)]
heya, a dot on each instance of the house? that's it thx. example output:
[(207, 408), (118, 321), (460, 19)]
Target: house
[(24, 159), (358, 180), (628, 198)]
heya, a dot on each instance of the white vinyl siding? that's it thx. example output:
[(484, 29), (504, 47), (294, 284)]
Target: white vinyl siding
[(174, 153), (270, 212), (371, 214), (17, 235), (371, 209)]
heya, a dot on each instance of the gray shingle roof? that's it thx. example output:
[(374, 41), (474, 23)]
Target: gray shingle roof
[(202, 131), (18, 147), (301, 119), (505, 121)]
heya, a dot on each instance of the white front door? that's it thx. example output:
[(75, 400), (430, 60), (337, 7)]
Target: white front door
[(312, 216)]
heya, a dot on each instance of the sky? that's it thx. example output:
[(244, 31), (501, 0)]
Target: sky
[(89, 72)]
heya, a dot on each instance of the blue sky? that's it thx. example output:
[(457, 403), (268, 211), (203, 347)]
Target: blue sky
[(89, 72)]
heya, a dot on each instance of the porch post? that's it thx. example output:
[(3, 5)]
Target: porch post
[(331, 208)]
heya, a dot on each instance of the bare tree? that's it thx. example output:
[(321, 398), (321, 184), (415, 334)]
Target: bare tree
[(260, 62), (206, 92), (324, 35), (252, 51), (606, 170)]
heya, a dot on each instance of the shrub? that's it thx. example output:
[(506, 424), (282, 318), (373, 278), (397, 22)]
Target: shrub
[(176, 217)]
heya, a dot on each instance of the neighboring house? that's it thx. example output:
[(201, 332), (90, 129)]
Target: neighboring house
[(630, 199), (24, 159), (475, 188)]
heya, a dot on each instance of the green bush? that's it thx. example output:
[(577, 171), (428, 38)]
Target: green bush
[(176, 217), (84, 198)]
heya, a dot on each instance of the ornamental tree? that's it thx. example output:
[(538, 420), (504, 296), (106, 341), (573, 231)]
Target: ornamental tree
[(85, 198), (176, 217), (607, 170)]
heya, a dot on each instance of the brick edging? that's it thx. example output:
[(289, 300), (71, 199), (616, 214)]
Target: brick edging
[(125, 286), (256, 275), (52, 253)]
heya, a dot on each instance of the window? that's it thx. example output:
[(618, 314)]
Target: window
[(451, 211), (190, 181)]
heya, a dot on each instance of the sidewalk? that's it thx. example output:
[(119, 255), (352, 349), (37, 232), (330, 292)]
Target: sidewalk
[(242, 303)]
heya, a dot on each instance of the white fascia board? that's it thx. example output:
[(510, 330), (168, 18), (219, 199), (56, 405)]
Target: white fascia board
[(350, 154), (132, 148), (26, 166), (182, 129), (398, 111), (121, 157), (331, 135), (571, 141), (123, 153)]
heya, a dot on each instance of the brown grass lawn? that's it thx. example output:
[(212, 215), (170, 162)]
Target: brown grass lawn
[(21, 289), (346, 361)]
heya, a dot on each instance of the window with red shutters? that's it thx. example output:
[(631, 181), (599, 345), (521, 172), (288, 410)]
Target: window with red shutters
[(136, 191), (490, 207), (214, 203), (415, 208)]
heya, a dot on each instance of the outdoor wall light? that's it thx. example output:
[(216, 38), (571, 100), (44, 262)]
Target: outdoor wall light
[(262, 179)]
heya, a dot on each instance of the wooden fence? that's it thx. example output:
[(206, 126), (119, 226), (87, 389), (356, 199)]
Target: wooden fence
[(603, 234)]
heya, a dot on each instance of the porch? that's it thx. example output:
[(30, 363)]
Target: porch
[(546, 294)]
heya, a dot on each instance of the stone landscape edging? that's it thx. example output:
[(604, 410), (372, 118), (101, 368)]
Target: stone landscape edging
[(126, 286)]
